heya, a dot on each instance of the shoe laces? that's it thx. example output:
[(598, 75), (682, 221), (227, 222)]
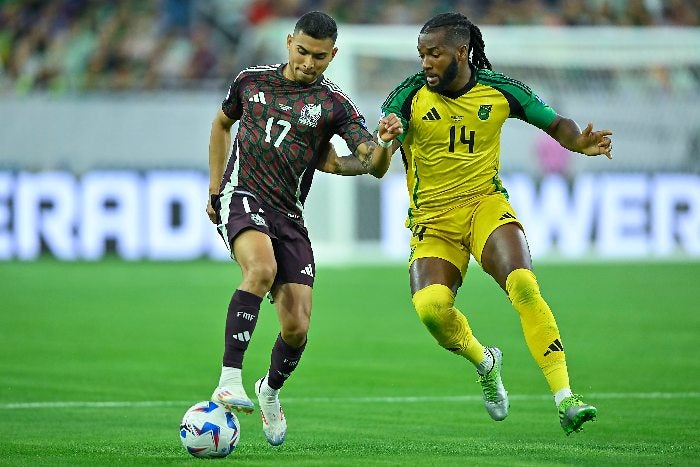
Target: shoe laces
[(572, 401), (489, 385)]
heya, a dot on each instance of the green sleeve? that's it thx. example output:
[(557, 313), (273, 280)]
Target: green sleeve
[(399, 101), (538, 113), (524, 103)]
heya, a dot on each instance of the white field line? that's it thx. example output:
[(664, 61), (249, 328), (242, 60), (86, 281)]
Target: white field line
[(344, 400)]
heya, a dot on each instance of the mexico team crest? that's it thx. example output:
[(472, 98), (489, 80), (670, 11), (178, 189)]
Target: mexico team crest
[(484, 111), (310, 115)]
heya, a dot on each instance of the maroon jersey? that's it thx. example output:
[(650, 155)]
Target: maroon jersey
[(284, 127)]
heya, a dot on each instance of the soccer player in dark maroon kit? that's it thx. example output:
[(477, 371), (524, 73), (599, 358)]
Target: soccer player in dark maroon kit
[(288, 114)]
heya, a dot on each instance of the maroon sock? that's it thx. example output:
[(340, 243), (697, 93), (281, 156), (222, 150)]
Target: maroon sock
[(283, 361), (241, 318)]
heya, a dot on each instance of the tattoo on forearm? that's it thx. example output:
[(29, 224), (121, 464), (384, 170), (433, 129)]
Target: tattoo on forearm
[(366, 161)]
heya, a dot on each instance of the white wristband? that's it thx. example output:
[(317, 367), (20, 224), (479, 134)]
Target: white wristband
[(382, 143)]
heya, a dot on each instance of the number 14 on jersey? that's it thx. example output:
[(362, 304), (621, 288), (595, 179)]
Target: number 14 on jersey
[(462, 138)]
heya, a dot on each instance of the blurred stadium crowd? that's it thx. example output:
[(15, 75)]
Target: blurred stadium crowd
[(72, 46)]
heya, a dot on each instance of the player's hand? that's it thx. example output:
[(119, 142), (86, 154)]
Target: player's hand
[(213, 207), (390, 127), (595, 143)]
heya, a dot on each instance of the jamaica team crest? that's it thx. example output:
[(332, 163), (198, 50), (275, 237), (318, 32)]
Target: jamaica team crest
[(484, 111)]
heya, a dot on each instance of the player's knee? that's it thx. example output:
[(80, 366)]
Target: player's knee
[(522, 287), (433, 305), (260, 276), (295, 334), (295, 326)]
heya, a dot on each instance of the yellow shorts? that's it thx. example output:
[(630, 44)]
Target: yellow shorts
[(459, 232)]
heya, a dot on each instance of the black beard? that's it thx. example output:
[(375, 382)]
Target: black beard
[(447, 78)]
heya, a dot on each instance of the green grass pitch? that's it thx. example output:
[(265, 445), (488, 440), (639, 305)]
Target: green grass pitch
[(98, 362)]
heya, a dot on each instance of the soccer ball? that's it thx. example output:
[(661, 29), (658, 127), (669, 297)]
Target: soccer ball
[(209, 430)]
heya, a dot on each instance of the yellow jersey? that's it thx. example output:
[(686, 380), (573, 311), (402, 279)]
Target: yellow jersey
[(451, 141)]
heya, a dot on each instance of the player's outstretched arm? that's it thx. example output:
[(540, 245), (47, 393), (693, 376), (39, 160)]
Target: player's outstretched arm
[(219, 144), (370, 157), (330, 162), (588, 142), (353, 164)]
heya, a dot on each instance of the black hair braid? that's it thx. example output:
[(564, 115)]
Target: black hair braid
[(477, 46)]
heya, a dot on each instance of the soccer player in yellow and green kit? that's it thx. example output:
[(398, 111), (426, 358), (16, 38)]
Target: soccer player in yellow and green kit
[(452, 113)]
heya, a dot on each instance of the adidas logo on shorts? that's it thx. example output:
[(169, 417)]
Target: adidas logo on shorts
[(308, 270)]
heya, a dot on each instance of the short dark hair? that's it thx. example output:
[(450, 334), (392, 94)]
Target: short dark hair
[(317, 25), (460, 31)]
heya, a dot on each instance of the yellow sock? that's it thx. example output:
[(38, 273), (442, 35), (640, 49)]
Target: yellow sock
[(540, 328), (449, 327)]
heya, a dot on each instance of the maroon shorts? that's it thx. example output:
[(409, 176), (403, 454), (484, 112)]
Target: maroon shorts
[(239, 211)]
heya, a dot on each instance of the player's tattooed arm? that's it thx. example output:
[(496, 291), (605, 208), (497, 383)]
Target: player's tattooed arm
[(354, 164), (365, 155), (372, 157)]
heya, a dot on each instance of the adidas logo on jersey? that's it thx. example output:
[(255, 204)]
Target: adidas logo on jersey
[(432, 115), (242, 336), (308, 270), (259, 97)]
